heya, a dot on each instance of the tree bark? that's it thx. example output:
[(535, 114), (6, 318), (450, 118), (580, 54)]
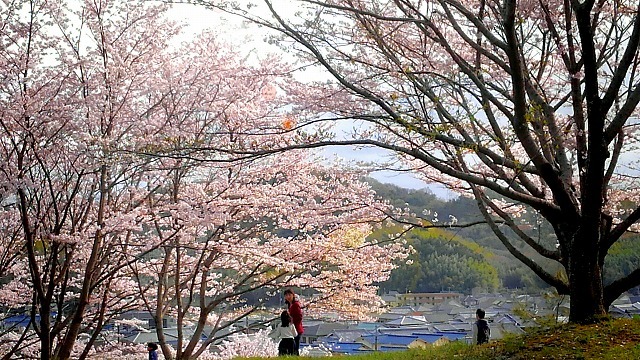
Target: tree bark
[(585, 280), (46, 342)]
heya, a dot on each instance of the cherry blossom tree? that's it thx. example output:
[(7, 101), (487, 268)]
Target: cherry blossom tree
[(230, 227), (284, 221), (513, 102), (101, 116), (258, 345), (74, 92)]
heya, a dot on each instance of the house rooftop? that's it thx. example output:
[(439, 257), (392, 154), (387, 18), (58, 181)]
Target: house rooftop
[(397, 340)]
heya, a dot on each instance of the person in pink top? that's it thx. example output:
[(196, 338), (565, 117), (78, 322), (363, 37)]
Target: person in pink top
[(295, 311)]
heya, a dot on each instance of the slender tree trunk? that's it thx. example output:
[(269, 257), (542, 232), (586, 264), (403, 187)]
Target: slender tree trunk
[(160, 304), (202, 320), (99, 325), (41, 301), (45, 333), (179, 307), (90, 275)]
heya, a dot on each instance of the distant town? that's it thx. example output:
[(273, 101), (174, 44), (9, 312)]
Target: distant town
[(411, 320)]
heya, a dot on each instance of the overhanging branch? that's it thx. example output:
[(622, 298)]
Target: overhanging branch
[(560, 285)]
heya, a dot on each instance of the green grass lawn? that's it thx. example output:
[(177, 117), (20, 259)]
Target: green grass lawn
[(613, 339)]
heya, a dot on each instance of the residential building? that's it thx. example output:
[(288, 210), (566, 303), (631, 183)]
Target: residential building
[(419, 299)]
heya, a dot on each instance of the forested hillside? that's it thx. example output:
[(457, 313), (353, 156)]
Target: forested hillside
[(461, 259), (455, 259), (442, 262)]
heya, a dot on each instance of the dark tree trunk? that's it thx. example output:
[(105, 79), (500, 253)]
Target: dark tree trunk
[(585, 279), (45, 334)]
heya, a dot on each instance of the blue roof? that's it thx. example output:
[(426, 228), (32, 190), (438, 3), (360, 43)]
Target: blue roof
[(344, 346), (402, 340), (19, 320), (453, 335), (463, 333), (347, 348), (430, 338)]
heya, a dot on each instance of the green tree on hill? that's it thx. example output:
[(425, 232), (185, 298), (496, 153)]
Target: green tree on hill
[(442, 261)]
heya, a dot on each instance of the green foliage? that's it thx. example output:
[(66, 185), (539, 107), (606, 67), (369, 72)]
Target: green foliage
[(442, 261), (622, 259), (516, 276), (416, 200)]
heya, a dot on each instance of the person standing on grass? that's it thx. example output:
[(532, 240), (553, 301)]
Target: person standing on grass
[(481, 331), (295, 311), (285, 334)]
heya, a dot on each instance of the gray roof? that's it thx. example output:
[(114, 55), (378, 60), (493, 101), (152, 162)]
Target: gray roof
[(627, 308), (402, 310), (408, 320), (389, 316), (323, 329), (135, 314), (389, 298), (498, 331), (408, 330), (143, 337), (348, 335), (424, 308), (453, 327), (437, 317)]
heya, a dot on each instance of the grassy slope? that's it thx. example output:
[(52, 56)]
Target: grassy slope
[(616, 339)]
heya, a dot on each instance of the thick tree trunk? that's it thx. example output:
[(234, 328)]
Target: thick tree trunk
[(585, 281)]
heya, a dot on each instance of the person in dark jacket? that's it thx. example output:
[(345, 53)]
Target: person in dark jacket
[(481, 331), (152, 349), (295, 311)]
